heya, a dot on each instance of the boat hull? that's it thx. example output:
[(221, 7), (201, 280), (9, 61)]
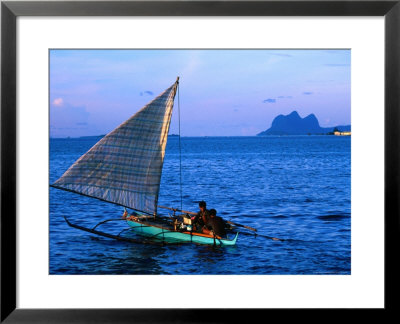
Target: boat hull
[(168, 235)]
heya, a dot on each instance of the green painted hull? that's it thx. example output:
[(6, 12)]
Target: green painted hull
[(169, 235)]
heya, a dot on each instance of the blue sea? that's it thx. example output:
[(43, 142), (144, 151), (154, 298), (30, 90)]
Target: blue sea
[(296, 188)]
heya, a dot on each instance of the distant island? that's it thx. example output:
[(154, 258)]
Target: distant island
[(293, 124), (91, 136)]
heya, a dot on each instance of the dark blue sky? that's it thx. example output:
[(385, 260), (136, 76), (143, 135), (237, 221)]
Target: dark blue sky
[(222, 92)]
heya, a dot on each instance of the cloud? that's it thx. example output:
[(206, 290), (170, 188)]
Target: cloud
[(58, 102), (269, 100), (147, 92), (67, 119), (307, 93), (273, 100)]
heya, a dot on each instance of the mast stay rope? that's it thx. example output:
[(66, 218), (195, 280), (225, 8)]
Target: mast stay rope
[(180, 147)]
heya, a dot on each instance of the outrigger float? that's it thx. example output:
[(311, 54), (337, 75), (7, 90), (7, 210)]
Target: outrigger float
[(124, 168)]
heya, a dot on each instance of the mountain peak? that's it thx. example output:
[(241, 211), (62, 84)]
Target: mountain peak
[(293, 124), (312, 118)]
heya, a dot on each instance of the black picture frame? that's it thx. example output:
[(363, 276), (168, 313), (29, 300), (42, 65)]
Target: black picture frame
[(10, 10)]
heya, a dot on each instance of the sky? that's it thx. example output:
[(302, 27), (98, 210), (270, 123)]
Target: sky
[(221, 92)]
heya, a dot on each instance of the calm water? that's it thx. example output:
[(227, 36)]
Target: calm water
[(295, 188)]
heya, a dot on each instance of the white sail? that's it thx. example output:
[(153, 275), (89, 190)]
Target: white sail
[(125, 166)]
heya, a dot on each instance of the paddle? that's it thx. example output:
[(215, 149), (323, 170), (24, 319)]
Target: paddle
[(265, 236), (240, 225)]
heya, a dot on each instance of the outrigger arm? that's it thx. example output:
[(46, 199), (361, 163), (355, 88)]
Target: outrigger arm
[(108, 235)]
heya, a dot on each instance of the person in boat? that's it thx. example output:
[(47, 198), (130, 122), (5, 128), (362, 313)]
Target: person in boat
[(215, 225), (202, 216)]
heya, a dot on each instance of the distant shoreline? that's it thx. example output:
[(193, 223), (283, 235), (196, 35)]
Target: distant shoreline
[(209, 136)]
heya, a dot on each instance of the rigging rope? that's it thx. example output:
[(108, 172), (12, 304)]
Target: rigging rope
[(180, 149)]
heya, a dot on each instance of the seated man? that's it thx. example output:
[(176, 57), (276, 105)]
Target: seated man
[(202, 217), (215, 225)]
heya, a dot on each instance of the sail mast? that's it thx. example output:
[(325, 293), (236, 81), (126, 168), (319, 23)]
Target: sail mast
[(125, 166)]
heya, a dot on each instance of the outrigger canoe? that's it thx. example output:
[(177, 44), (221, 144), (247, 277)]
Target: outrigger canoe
[(124, 168), (159, 231)]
